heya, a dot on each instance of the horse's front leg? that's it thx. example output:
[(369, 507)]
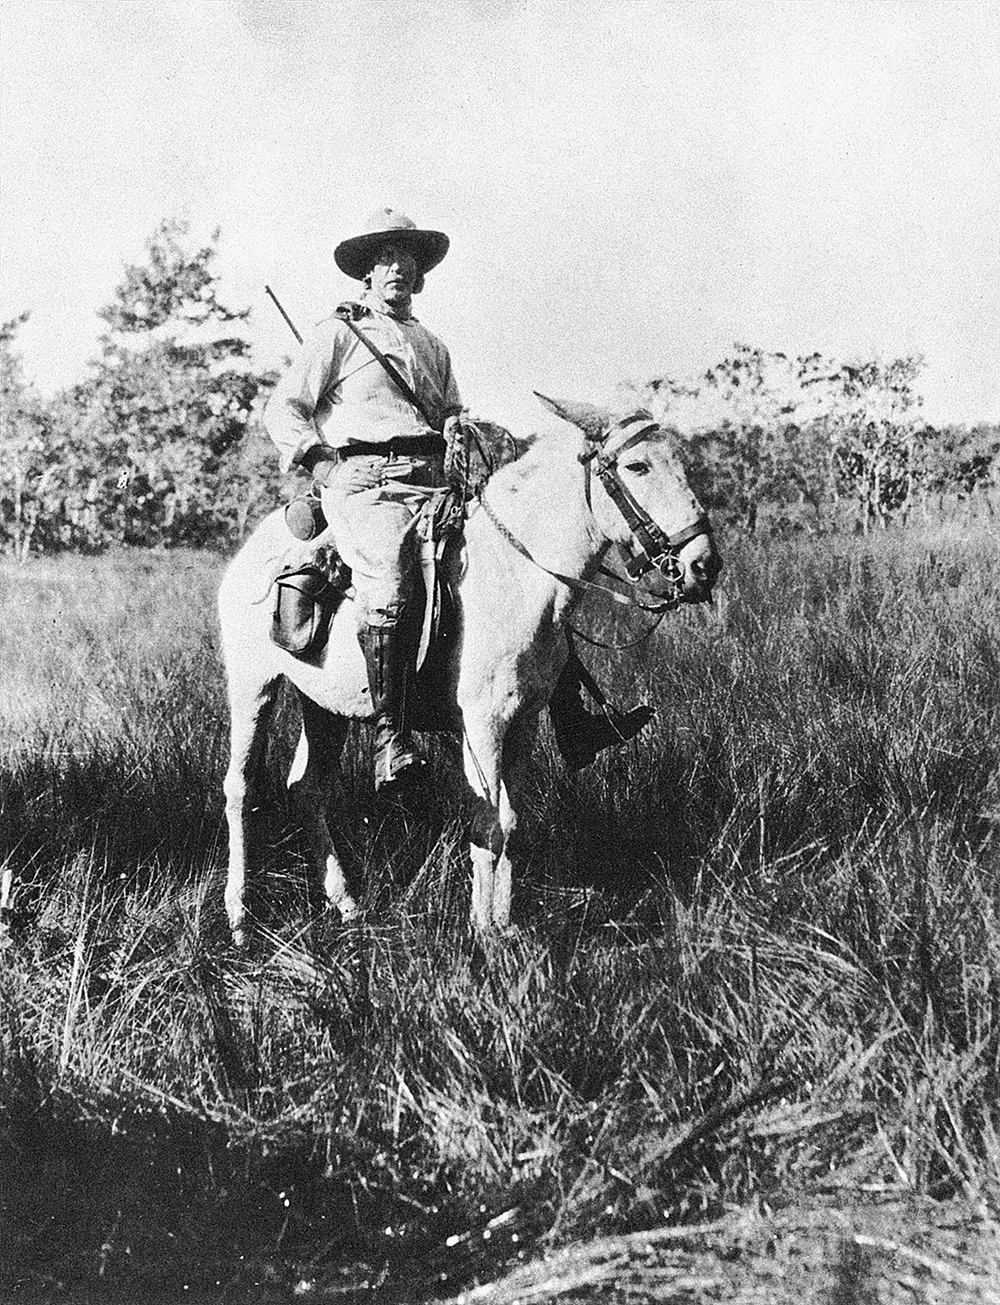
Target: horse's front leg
[(309, 784), (494, 764)]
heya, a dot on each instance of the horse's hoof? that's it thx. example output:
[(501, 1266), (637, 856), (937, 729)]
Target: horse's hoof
[(349, 911)]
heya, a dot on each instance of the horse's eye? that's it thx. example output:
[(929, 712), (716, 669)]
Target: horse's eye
[(638, 468)]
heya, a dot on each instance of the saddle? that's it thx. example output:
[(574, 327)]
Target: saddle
[(308, 594)]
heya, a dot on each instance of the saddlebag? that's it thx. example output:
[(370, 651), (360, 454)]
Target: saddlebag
[(306, 599)]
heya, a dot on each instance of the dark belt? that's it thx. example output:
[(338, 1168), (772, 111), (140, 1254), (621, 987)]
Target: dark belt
[(418, 446)]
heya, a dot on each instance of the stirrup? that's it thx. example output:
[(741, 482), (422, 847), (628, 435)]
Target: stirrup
[(608, 731)]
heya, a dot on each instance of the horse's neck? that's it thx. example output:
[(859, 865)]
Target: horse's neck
[(541, 499), (514, 596)]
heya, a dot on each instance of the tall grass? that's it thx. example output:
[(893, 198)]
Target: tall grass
[(757, 965)]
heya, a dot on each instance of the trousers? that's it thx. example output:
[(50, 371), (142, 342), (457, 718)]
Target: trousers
[(371, 504)]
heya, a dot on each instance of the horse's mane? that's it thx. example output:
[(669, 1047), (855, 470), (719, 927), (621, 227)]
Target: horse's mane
[(492, 449), (530, 454)]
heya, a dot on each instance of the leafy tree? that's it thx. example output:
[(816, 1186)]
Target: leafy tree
[(749, 431), (961, 459), (150, 448), (751, 445), (877, 437), (170, 401)]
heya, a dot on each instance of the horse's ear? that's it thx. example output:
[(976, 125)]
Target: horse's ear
[(593, 421)]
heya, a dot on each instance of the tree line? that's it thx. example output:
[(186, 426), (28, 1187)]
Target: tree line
[(808, 442), (161, 445)]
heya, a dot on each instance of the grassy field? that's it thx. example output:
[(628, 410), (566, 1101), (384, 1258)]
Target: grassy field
[(754, 990)]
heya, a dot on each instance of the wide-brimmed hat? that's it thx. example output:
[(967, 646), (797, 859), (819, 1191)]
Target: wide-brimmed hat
[(356, 255)]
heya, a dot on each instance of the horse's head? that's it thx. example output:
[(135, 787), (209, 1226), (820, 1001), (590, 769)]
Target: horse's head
[(641, 500)]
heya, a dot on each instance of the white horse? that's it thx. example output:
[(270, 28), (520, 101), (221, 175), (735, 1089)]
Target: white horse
[(531, 546)]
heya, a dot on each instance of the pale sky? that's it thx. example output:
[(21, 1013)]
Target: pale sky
[(630, 186)]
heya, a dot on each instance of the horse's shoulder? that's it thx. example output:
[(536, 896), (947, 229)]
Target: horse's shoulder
[(268, 539), (270, 528)]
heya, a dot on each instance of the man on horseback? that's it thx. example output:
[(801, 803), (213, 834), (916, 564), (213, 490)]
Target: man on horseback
[(366, 410)]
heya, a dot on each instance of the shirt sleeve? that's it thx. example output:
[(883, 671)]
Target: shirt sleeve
[(451, 400), (289, 416)]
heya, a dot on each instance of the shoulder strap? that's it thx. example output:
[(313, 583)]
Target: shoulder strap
[(344, 312)]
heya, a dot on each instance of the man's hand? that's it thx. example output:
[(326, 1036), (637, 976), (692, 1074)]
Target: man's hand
[(357, 474)]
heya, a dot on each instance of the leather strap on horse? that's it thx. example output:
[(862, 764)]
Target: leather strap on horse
[(651, 538), (656, 549), (345, 313)]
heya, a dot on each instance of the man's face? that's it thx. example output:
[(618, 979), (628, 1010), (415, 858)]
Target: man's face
[(394, 274)]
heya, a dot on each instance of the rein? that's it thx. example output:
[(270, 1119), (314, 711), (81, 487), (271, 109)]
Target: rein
[(629, 643)]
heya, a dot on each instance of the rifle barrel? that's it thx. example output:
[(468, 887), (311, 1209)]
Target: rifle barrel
[(277, 304)]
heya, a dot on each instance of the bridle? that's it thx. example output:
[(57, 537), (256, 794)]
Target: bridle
[(649, 548)]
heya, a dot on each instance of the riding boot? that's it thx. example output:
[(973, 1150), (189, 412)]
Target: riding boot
[(386, 650), (581, 736)]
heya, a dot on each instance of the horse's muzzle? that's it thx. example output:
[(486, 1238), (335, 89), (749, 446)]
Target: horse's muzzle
[(700, 565)]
